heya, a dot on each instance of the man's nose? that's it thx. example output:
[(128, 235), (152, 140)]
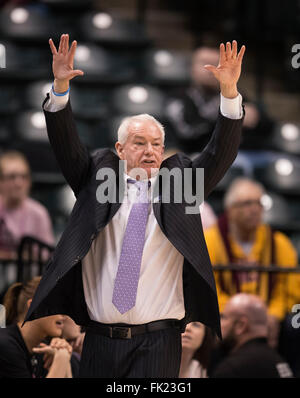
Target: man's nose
[(149, 148)]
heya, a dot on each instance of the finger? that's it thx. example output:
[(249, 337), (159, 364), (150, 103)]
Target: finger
[(222, 53), (56, 345), (52, 46), (61, 42), (241, 54), (40, 350), (54, 340), (76, 72), (211, 68), (66, 45), (228, 50), (234, 49), (72, 51)]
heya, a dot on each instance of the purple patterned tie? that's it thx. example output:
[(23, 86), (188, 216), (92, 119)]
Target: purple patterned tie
[(126, 282)]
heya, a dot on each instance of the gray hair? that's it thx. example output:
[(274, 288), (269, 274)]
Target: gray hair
[(229, 197), (124, 126)]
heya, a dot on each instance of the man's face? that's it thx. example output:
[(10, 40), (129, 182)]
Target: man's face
[(201, 76), (247, 210), (228, 322), (143, 148), (14, 180)]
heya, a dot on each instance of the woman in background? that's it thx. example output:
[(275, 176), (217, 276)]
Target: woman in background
[(20, 348), (197, 343)]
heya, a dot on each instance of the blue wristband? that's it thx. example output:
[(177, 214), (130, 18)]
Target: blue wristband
[(60, 94)]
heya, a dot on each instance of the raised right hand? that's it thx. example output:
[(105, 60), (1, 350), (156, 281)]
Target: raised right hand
[(62, 64)]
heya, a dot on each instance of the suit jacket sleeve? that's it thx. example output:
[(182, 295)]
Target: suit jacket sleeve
[(220, 152), (72, 156)]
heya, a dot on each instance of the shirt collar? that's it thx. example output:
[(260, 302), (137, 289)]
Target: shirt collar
[(127, 185), (152, 180)]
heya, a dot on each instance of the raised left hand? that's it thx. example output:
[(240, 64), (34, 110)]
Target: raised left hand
[(229, 69)]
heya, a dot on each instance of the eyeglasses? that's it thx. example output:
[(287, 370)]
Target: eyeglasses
[(14, 176)]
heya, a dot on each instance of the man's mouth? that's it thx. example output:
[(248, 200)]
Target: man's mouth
[(149, 161)]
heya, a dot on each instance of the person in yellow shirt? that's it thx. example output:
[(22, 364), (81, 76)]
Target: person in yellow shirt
[(240, 237)]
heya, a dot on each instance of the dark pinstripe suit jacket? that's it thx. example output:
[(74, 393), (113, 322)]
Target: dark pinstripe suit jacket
[(61, 289)]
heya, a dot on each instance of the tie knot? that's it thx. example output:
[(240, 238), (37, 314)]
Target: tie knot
[(142, 187)]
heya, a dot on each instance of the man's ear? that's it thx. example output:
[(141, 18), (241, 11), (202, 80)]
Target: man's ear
[(242, 325), (119, 149)]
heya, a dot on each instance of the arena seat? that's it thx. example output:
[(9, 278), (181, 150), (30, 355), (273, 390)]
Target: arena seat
[(135, 99), (30, 137), (35, 93), (10, 99), (87, 133), (62, 201), (24, 62), (277, 212), (31, 126), (5, 132), (10, 65), (90, 103), (286, 138), (165, 67), (102, 67), (280, 174), (24, 23), (106, 29)]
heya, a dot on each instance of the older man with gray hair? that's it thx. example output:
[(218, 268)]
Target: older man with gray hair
[(244, 325), (133, 274), (241, 237)]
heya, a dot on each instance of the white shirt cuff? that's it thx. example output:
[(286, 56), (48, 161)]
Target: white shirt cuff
[(231, 107), (56, 103)]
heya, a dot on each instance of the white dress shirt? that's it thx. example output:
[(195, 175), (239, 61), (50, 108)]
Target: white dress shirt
[(160, 288)]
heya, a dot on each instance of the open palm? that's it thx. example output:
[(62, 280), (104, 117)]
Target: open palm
[(229, 69), (63, 59)]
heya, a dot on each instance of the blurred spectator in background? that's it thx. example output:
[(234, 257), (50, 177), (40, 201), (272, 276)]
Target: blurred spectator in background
[(207, 213), (21, 347), (240, 237), (244, 324), (19, 214), (197, 343), (193, 114)]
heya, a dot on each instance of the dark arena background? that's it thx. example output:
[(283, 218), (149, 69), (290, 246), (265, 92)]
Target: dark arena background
[(138, 57)]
